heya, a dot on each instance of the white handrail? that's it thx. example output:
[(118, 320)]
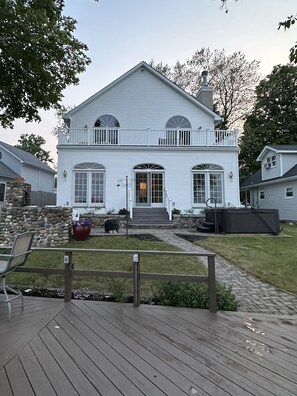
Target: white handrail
[(168, 203)]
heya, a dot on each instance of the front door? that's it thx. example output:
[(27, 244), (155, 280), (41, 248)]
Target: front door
[(149, 189)]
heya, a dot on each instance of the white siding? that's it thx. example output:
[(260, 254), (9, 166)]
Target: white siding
[(141, 101), (120, 163), (39, 180)]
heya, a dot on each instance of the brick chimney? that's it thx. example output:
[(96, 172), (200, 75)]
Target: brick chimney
[(205, 93)]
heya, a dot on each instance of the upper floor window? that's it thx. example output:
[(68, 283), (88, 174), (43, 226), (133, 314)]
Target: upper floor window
[(178, 133), (107, 121), (178, 122), (89, 180), (270, 162)]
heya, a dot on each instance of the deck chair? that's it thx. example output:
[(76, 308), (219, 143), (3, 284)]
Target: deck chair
[(8, 262)]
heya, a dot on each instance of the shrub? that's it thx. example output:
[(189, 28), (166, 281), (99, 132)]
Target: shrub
[(123, 211), (194, 295), (176, 211)]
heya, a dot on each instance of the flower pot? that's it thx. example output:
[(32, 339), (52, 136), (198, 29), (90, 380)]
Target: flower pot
[(81, 232)]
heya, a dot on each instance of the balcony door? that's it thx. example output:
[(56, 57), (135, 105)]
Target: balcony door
[(149, 186)]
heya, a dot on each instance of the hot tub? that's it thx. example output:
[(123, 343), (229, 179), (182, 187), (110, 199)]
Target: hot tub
[(245, 220)]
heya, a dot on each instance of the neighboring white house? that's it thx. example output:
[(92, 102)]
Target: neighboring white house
[(19, 164), (274, 186), (144, 142)]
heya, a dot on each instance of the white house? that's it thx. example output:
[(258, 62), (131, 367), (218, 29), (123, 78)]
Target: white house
[(143, 142), (274, 186), (19, 164)]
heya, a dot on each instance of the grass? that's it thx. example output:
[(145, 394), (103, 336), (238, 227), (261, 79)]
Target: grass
[(153, 263), (269, 258)]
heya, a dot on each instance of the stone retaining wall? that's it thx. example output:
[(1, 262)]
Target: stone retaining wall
[(51, 224)]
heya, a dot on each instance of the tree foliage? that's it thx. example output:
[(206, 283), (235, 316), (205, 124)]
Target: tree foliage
[(32, 144), (232, 77), (39, 57), (274, 116), (286, 24)]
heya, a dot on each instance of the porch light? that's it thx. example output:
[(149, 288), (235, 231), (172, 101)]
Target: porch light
[(64, 174), (231, 175)]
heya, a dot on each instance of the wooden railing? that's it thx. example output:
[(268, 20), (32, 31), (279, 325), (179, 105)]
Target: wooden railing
[(69, 271), (147, 137)]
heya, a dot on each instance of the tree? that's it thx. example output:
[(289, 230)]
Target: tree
[(32, 144), (274, 116), (61, 125), (39, 57), (232, 77), (286, 24)]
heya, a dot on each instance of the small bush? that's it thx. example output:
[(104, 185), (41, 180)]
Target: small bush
[(176, 211), (123, 211), (194, 295)]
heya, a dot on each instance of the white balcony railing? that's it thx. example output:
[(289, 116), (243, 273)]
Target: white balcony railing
[(147, 137)]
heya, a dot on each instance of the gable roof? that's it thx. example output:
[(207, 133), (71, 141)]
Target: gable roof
[(278, 148), (5, 171), (256, 178), (144, 66), (26, 158)]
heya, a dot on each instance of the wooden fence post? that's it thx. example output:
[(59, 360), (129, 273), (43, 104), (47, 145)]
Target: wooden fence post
[(136, 280), (212, 284), (68, 276)]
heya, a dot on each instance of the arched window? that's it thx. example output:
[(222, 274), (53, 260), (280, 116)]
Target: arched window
[(107, 132), (207, 183), (178, 131), (178, 122), (148, 167), (107, 121), (89, 181)]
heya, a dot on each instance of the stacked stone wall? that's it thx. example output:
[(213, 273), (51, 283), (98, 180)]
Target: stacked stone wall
[(52, 225)]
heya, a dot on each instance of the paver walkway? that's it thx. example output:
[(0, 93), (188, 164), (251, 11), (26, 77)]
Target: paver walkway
[(252, 294)]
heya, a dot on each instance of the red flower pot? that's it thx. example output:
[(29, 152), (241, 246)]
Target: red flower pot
[(81, 232)]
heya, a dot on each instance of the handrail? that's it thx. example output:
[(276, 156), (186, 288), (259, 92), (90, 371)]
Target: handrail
[(168, 204), (69, 271), (215, 202)]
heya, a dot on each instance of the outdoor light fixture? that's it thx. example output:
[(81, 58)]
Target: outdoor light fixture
[(64, 174), (231, 175)]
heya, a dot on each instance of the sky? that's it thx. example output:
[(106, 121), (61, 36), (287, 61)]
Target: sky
[(122, 33)]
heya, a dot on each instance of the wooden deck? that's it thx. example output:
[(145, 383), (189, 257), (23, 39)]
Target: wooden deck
[(98, 348)]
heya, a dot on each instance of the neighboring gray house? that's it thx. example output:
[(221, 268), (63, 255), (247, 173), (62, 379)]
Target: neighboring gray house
[(16, 164), (274, 186)]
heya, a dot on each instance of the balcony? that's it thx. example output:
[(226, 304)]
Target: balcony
[(148, 137)]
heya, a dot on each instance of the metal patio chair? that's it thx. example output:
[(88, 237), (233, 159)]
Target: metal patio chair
[(17, 256)]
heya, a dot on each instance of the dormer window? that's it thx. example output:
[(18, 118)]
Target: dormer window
[(270, 162)]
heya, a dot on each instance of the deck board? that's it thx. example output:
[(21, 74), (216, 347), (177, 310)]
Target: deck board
[(99, 348)]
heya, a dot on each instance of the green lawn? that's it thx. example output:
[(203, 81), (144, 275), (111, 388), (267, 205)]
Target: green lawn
[(270, 258), (153, 263)]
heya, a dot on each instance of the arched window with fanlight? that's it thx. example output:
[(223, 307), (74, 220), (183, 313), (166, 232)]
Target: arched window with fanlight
[(89, 184), (178, 131), (106, 130), (207, 183)]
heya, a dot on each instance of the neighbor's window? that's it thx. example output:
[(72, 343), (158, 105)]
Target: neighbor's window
[(89, 180), (271, 161), (289, 192), (2, 192), (207, 183), (262, 195)]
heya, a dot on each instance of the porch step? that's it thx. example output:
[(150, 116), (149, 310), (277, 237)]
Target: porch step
[(205, 226), (150, 217)]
